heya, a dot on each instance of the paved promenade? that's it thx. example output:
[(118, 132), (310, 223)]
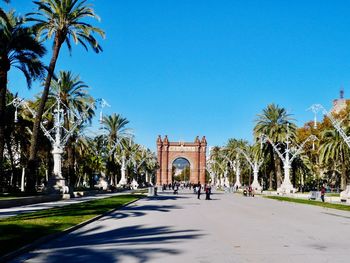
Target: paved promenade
[(229, 228)]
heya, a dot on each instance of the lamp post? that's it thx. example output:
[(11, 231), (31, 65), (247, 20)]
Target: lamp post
[(318, 107), (255, 166), (287, 159), (236, 165), (58, 136), (210, 171)]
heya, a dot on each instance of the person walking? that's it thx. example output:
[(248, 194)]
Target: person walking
[(250, 190), (323, 192), (199, 191), (207, 191), (176, 189)]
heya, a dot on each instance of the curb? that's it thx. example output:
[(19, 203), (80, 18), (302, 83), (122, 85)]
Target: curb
[(45, 239)]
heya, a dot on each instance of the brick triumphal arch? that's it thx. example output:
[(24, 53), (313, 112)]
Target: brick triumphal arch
[(194, 152)]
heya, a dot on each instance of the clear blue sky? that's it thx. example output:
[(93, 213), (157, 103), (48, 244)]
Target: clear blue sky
[(186, 68)]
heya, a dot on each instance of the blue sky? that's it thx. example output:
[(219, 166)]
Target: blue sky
[(186, 68)]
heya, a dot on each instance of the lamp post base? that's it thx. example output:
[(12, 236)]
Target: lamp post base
[(345, 195), (57, 185), (256, 186), (122, 182), (237, 185), (134, 184), (286, 188)]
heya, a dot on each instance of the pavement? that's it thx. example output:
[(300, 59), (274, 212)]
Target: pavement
[(228, 228), (18, 210)]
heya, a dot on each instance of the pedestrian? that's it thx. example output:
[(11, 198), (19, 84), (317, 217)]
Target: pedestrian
[(323, 192), (250, 190), (199, 191), (176, 189), (207, 192)]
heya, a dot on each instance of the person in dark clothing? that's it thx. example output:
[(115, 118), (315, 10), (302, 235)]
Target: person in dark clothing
[(207, 192), (323, 192), (176, 189), (199, 191)]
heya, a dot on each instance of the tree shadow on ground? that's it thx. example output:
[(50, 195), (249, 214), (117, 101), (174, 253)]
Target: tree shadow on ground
[(162, 197), (138, 243), (139, 210), (337, 215)]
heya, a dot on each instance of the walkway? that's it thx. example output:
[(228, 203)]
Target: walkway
[(7, 212), (229, 228)]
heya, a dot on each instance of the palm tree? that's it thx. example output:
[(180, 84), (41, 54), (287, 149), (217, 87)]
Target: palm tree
[(18, 49), (89, 156), (232, 151), (144, 163), (115, 125), (73, 94), (118, 134), (150, 166), (273, 122), (64, 21), (334, 149)]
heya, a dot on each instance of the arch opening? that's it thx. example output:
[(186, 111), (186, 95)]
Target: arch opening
[(181, 170)]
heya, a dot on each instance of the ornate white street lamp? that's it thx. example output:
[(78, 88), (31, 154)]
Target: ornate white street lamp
[(236, 165), (255, 166), (287, 158), (58, 135)]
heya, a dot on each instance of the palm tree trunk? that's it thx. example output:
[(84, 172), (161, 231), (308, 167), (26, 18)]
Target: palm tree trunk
[(32, 163), (9, 149), (343, 179), (71, 170), (70, 154), (3, 84), (294, 175), (278, 171), (273, 168)]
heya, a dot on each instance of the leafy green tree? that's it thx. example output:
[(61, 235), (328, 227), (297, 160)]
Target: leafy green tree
[(334, 148), (62, 21), (18, 49)]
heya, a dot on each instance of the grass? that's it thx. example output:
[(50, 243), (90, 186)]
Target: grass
[(310, 202), (8, 197), (333, 194), (21, 230)]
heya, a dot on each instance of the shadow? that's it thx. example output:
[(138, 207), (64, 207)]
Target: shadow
[(84, 255), (138, 243), (15, 213), (140, 210), (16, 235), (331, 214), (211, 199), (161, 197)]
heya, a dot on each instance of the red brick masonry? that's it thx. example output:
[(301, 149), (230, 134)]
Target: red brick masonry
[(168, 152)]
